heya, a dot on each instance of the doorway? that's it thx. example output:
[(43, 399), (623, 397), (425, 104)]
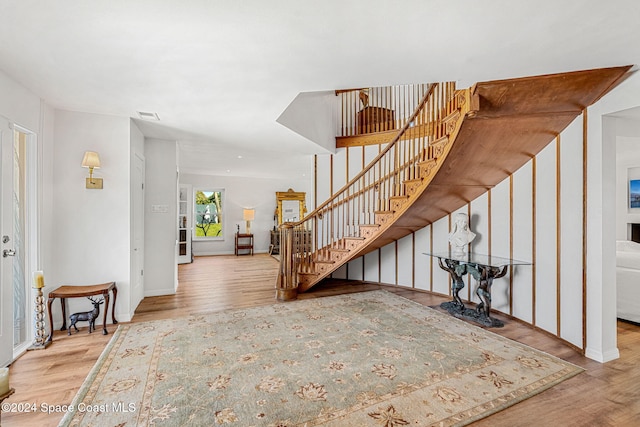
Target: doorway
[(18, 228), (137, 264)]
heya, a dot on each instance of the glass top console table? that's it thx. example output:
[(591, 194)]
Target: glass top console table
[(483, 268)]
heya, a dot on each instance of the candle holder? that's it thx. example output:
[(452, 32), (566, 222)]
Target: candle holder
[(40, 334)]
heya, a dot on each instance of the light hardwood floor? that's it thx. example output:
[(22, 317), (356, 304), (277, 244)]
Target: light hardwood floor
[(604, 395)]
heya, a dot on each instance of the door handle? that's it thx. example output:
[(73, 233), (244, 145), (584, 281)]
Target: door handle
[(8, 252)]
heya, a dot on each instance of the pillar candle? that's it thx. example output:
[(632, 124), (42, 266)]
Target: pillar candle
[(4, 381), (38, 279)]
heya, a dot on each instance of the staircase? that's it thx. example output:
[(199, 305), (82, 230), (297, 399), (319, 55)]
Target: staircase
[(454, 147)]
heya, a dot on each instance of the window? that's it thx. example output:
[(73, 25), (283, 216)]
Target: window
[(208, 214)]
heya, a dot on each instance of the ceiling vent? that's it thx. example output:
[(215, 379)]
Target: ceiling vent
[(148, 116)]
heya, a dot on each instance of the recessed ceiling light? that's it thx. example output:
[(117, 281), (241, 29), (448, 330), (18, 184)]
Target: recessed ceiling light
[(148, 116), (239, 157)]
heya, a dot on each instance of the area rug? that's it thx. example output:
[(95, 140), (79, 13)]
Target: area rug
[(364, 359)]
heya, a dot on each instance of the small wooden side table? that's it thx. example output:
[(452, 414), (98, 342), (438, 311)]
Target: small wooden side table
[(64, 292), (244, 242)]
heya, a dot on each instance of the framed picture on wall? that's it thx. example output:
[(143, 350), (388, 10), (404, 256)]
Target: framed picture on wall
[(634, 193)]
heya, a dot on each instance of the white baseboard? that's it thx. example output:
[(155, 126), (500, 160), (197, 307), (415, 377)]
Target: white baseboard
[(159, 292), (602, 357), (225, 253), (122, 317)]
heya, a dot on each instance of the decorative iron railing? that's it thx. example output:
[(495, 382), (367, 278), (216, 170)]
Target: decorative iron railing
[(306, 246)]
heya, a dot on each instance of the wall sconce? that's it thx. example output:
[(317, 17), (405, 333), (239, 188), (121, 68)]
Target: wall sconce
[(91, 160), (248, 215)]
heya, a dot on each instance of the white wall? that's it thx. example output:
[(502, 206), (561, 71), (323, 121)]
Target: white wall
[(160, 227), (19, 104), (314, 116), (240, 193), (91, 228)]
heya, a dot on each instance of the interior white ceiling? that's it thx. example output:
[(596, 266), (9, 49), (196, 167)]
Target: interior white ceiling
[(219, 73)]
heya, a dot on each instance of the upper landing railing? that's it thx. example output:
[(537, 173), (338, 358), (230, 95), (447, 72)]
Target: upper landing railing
[(378, 109)]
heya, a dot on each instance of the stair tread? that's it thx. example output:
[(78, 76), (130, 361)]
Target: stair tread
[(323, 261)]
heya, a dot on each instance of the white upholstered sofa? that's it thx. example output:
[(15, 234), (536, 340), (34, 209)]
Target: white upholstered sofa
[(628, 280)]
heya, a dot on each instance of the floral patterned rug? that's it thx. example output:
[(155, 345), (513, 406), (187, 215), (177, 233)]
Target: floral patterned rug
[(364, 359)]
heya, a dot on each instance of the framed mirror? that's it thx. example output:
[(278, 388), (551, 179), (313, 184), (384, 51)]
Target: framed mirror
[(290, 206)]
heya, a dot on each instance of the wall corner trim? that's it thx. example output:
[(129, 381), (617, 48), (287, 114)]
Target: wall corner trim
[(602, 357)]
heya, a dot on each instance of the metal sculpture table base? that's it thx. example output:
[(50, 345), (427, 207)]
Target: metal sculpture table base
[(471, 314), (483, 268)]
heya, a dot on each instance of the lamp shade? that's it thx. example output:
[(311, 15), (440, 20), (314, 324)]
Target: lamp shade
[(248, 214), (91, 160)]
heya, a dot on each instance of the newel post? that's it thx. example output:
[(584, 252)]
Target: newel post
[(287, 284)]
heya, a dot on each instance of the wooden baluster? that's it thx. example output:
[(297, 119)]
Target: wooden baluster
[(355, 105), (343, 114), (387, 104), (383, 111), (330, 225), (409, 159), (377, 193), (394, 99), (345, 215), (407, 103), (360, 206), (370, 114), (353, 111), (386, 179), (323, 230), (390, 172), (356, 108), (398, 170), (352, 115), (372, 195), (374, 101)]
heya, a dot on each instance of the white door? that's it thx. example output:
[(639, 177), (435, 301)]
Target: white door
[(16, 161), (137, 291), (6, 247)]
